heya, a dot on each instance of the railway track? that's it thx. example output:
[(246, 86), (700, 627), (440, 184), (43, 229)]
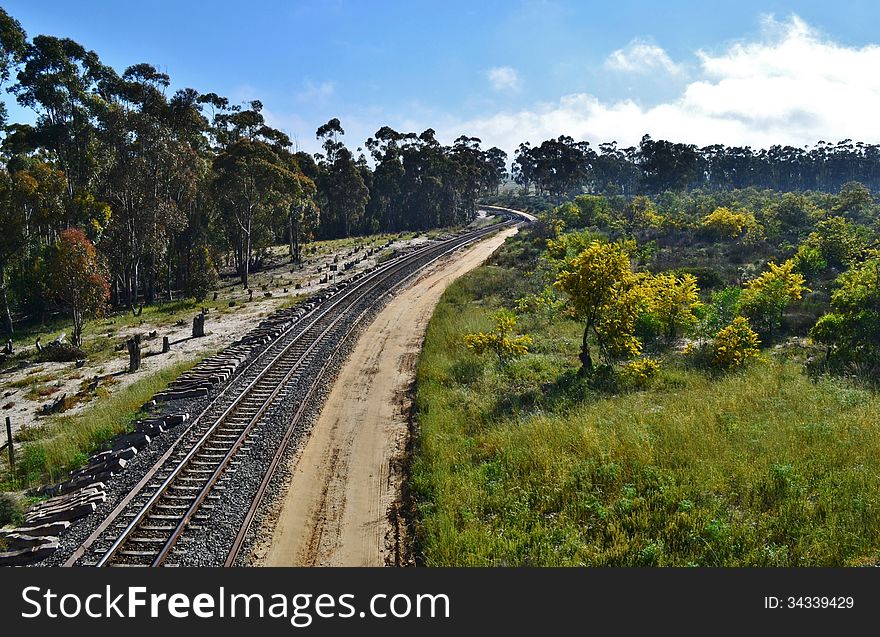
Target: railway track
[(165, 512)]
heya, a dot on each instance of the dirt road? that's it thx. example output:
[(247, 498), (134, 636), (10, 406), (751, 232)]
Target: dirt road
[(347, 477)]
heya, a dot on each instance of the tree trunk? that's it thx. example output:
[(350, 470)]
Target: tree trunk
[(290, 235), (247, 260), (135, 284), (126, 273), (4, 299), (134, 353), (76, 337), (150, 284), (168, 274), (199, 325), (586, 360)]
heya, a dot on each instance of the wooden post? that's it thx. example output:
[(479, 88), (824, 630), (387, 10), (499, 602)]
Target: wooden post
[(134, 353), (199, 325), (166, 345), (9, 443)]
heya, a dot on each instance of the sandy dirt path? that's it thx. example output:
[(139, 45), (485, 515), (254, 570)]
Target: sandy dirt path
[(347, 477)]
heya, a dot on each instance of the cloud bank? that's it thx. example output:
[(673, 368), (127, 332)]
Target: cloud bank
[(791, 86)]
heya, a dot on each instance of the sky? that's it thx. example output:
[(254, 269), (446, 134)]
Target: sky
[(506, 71)]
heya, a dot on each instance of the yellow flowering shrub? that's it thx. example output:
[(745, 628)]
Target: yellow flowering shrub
[(638, 373), (501, 340), (728, 224), (735, 344)]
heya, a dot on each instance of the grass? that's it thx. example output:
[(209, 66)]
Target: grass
[(101, 335), (527, 465), (65, 442)]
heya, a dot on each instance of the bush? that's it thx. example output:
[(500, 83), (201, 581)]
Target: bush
[(851, 331), (735, 345), (202, 275), (11, 509), (708, 278), (809, 260), (60, 353), (640, 372), (724, 223), (501, 340)]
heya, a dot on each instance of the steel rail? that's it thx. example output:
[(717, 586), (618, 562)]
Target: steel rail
[(351, 294)]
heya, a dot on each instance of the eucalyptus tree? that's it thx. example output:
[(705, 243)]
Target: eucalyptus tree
[(343, 195), (255, 180), (12, 219), (65, 84), (13, 48), (497, 173), (386, 203), (31, 204), (154, 170), (303, 218), (469, 173)]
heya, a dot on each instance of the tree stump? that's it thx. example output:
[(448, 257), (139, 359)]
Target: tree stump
[(250, 295), (215, 295), (134, 353), (7, 349), (199, 325), (166, 345)]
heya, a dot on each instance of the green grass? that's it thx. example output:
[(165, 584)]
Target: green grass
[(65, 442), (526, 465)]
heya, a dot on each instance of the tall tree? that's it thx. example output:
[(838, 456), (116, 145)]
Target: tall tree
[(65, 85), (255, 181), (343, 195), (13, 48)]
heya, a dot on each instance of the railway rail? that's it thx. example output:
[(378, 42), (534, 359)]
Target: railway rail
[(155, 521)]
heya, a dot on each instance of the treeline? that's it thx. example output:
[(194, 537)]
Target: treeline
[(167, 188), (562, 167)]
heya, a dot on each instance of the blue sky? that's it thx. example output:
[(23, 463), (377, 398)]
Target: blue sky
[(748, 72)]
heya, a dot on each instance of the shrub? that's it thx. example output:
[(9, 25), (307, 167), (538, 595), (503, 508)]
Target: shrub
[(202, 275), (735, 345), (724, 223), (501, 340), (766, 297), (60, 353), (10, 509), (809, 260), (719, 312), (851, 331), (838, 241), (638, 373)]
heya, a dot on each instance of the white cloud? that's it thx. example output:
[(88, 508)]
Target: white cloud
[(791, 85), (316, 93), (642, 57), (503, 78)]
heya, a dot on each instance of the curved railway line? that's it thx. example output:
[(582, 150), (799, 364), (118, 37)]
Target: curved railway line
[(155, 522)]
